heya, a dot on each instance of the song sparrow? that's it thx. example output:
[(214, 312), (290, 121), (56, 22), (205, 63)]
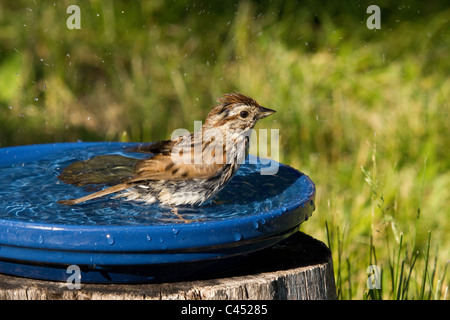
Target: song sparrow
[(186, 170)]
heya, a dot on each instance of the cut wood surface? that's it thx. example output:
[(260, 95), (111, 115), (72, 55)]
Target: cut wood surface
[(299, 267)]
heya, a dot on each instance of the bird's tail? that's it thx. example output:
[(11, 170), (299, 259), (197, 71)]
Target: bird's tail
[(98, 194)]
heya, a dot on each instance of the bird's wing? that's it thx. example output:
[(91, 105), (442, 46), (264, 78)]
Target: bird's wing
[(156, 147), (103, 169), (162, 167), (189, 158)]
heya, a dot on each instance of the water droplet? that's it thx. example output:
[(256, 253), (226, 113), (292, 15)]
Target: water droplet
[(163, 245), (283, 209), (110, 239), (237, 236), (36, 99), (41, 239), (255, 224), (149, 238), (175, 231)]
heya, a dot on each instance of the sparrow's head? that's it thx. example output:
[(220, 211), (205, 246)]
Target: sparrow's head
[(236, 111)]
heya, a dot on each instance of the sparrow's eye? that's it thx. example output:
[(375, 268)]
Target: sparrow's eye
[(244, 114)]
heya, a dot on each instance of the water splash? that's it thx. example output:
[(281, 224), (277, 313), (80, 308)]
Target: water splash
[(110, 239)]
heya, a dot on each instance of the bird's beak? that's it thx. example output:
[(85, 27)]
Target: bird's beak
[(264, 112)]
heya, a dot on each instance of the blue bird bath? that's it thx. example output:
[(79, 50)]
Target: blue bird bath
[(117, 241)]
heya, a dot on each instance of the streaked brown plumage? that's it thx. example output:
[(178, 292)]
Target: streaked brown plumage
[(187, 170)]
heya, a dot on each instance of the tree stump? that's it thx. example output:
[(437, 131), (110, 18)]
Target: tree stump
[(299, 267)]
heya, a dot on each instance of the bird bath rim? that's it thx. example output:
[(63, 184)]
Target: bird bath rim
[(23, 242)]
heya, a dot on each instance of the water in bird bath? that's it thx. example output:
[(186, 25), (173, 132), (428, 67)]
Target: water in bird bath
[(30, 189)]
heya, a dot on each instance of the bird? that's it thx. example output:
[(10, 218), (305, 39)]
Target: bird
[(188, 169)]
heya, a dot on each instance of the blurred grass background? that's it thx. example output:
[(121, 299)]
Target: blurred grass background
[(365, 113)]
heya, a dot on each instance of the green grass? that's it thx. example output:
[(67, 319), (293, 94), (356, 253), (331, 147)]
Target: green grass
[(364, 113)]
